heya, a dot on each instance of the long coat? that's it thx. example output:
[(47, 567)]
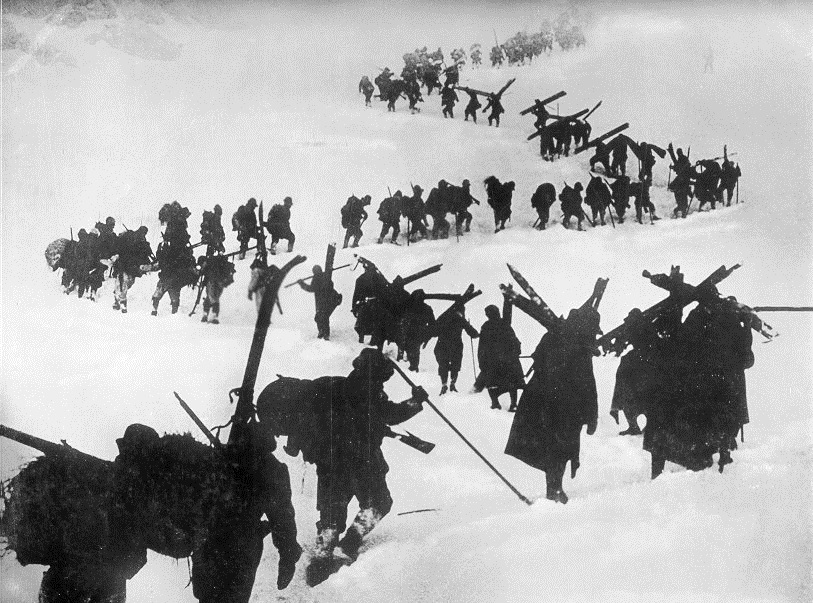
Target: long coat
[(498, 356), (558, 400)]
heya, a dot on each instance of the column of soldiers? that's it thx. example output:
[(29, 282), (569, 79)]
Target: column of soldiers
[(444, 199), (128, 256)]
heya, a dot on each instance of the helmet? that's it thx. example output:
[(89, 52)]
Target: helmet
[(288, 201), (493, 312), (373, 364), (137, 438), (317, 269), (218, 210), (466, 183), (578, 186), (252, 202), (110, 221)]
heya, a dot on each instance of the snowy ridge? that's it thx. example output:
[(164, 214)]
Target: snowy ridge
[(227, 116)]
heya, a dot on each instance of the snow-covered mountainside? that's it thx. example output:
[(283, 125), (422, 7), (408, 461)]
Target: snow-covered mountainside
[(214, 104)]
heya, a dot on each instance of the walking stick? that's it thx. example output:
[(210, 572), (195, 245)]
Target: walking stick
[(738, 191), (473, 366), (409, 381)]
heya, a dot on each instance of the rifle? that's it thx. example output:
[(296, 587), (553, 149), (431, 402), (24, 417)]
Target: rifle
[(307, 278), (782, 308), (209, 435), (234, 253), (46, 447)]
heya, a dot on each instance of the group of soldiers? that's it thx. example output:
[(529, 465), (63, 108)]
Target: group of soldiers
[(444, 199), (686, 377)]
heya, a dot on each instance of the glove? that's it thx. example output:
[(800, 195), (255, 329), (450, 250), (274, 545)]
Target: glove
[(419, 394)]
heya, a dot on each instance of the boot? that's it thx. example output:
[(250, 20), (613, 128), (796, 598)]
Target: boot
[(512, 408), (174, 308), (319, 568), (452, 386), (380, 240), (214, 320), (116, 305), (204, 318), (124, 307), (287, 565), (363, 524), (443, 389), (290, 247)]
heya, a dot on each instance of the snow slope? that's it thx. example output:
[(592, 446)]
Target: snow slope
[(209, 104)]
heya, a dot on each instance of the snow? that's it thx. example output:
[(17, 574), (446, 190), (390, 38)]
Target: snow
[(212, 104)]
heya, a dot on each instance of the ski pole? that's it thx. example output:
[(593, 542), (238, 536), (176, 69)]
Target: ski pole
[(409, 381), (473, 367)]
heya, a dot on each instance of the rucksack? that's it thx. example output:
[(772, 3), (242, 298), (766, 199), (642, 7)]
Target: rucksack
[(347, 210)]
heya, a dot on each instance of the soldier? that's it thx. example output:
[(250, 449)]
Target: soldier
[(708, 405), (729, 176), (351, 463), (366, 87), (496, 109), (437, 206), (383, 81), (326, 298), (449, 346), (471, 108), (389, 213), (602, 156), (476, 55), (416, 321), (175, 257), (647, 162), (571, 198), (353, 216), (244, 222), (640, 372), (621, 196), (279, 224), (216, 273), (107, 238), (413, 92), (459, 204), (133, 252), (448, 98), (415, 213), (369, 298), (681, 185), (707, 183), (499, 198), (581, 131), (211, 230), (498, 357), (559, 399), (394, 91), (640, 190), (618, 167), (452, 73), (88, 271), (542, 200), (496, 56), (261, 274), (599, 197)]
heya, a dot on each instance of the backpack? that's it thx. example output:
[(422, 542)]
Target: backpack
[(347, 210)]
